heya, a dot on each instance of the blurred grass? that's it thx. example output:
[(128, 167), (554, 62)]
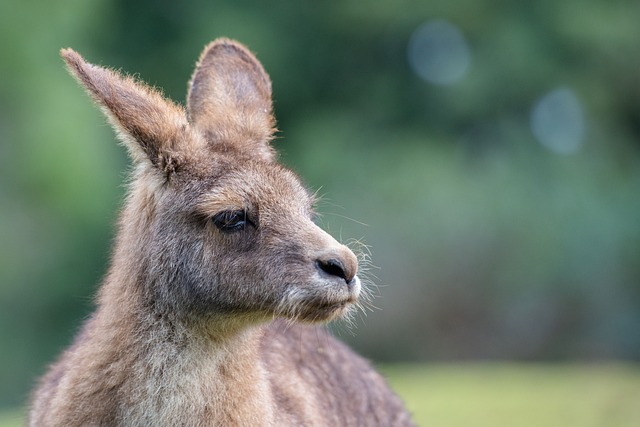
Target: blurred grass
[(497, 394), (11, 418), (452, 395)]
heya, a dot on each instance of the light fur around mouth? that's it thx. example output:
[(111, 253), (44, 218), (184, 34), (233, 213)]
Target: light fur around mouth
[(323, 302)]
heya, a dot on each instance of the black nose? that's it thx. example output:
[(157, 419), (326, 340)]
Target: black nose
[(333, 267)]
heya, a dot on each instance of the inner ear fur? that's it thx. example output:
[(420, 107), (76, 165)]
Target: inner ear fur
[(153, 128), (229, 100)]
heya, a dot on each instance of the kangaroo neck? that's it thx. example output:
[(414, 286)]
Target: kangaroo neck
[(181, 373)]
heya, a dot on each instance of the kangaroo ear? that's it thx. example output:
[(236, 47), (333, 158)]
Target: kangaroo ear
[(229, 100), (151, 127)]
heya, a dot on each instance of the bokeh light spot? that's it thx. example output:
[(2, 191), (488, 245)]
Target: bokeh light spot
[(439, 53), (557, 121)]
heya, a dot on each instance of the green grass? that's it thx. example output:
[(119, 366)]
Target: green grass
[(452, 395), (14, 418), (513, 395)]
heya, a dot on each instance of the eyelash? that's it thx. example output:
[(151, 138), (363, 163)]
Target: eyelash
[(231, 221)]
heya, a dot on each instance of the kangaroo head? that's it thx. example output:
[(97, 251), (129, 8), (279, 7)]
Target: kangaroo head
[(213, 226)]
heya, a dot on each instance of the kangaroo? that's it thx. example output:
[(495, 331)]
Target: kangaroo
[(210, 312)]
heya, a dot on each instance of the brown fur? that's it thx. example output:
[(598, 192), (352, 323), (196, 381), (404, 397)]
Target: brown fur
[(194, 323)]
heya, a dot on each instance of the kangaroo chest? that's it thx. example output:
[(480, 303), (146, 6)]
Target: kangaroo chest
[(198, 389)]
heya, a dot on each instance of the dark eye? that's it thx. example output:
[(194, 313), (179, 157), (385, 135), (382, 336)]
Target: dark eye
[(230, 221)]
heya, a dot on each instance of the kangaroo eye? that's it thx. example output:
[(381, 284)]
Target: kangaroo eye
[(230, 221)]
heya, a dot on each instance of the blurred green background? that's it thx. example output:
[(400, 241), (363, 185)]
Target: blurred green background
[(488, 152)]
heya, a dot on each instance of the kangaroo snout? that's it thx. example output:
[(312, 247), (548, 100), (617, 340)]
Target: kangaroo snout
[(335, 260), (342, 265)]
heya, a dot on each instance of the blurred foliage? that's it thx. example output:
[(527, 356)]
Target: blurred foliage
[(487, 243)]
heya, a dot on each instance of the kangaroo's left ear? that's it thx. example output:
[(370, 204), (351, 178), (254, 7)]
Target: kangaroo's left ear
[(229, 100)]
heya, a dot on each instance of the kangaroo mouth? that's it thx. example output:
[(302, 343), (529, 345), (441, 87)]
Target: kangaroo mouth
[(332, 305), (316, 306), (321, 312)]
